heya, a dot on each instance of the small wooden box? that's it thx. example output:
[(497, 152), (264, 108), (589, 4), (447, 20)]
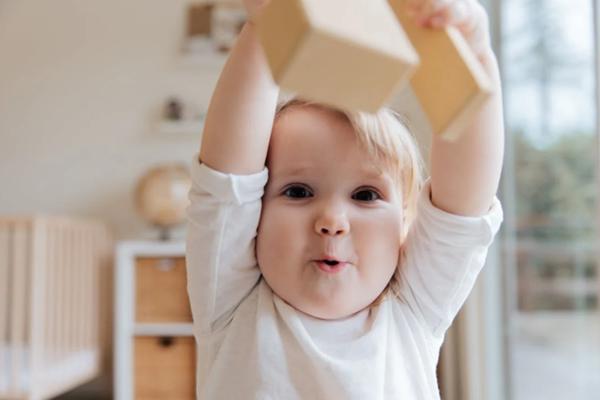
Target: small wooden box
[(161, 290), (199, 19), (164, 368)]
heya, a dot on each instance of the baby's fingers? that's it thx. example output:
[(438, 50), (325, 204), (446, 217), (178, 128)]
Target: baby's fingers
[(468, 16), (472, 21), (253, 7), (439, 13), (424, 10), (463, 14)]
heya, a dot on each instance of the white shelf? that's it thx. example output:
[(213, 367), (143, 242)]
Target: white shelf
[(212, 60), (127, 250), (184, 127), (165, 329), (202, 51)]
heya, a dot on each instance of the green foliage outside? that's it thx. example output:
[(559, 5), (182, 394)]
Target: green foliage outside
[(556, 188), (556, 195)]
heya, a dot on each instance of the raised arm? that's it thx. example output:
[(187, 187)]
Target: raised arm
[(224, 210), (465, 173), (240, 116)]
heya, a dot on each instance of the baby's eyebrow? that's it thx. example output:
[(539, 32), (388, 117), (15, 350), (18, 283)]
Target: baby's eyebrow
[(295, 171), (375, 174), (302, 171), (277, 177), (298, 171), (372, 173)]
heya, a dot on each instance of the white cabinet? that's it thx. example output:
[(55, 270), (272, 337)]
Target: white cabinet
[(155, 352)]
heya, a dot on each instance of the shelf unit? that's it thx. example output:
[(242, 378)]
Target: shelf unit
[(155, 353)]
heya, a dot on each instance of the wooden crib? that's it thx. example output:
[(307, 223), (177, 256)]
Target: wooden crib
[(51, 273)]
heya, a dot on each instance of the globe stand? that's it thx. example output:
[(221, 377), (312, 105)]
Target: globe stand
[(164, 233)]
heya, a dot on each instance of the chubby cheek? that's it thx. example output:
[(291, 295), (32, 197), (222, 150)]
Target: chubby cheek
[(278, 239), (379, 245)]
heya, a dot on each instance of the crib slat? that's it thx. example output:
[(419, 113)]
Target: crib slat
[(97, 288), (18, 315), (37, 308), (79, 298), (66, 278), (51, 297), (101, 334), (86, 291), (78, 269), (85, 288), (70, 278), (89, 287), (4, 299), (103, 301), (76, 266), (60, 292)]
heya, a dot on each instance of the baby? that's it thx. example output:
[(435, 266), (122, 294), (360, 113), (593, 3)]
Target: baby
[(320, 264)]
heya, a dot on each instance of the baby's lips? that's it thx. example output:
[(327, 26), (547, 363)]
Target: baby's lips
[(329, 257)]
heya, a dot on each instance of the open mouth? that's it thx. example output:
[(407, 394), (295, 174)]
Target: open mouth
[(330, 266)]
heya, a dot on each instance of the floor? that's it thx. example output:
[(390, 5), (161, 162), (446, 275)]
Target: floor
[(556, 356)]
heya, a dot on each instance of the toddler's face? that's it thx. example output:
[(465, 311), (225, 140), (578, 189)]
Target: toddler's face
[(325, 202)]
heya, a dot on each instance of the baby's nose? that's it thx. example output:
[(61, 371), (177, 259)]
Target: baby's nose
[(332, 224), (326, 231)]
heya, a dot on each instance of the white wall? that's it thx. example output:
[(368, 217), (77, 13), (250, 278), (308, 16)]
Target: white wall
[(82, 84)]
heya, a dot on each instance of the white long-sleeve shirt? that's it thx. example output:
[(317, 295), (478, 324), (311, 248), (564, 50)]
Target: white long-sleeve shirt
[(253, 345)]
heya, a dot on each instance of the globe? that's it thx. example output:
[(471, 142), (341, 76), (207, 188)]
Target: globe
[(161, 196)]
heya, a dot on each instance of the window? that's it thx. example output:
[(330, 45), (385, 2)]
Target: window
[(550, 244)]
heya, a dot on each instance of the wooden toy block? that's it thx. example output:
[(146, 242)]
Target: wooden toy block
[(450, 82), (351, 54)]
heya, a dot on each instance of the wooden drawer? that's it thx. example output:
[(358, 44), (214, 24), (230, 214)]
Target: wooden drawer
[(161, 290), (164, 368)]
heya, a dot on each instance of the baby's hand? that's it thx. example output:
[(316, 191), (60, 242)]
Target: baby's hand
[(253, 7), (468, 16)]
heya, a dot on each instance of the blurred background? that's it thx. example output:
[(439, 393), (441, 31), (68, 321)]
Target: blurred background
[(94, 95)]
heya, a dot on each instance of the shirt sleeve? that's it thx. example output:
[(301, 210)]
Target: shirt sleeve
[(442, 258), (223, 217)]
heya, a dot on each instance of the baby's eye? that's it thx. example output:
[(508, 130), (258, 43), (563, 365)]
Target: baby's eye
[(297, 192), (366, 195)]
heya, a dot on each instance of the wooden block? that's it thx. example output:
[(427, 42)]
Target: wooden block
[(161, 290), (450, 82), (351, 54)]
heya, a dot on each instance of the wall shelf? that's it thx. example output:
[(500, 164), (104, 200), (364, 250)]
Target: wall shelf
[(183, 127), (212, 60)]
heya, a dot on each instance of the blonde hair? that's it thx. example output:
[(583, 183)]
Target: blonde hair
[(385, 136)]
